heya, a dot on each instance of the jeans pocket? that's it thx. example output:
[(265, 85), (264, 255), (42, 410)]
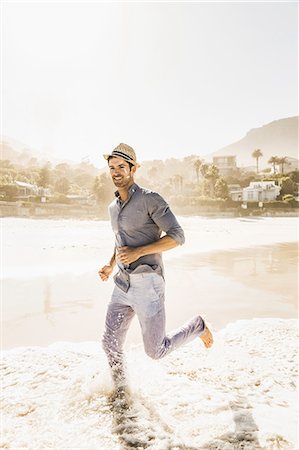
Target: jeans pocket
[(158, 285), (153, 307)]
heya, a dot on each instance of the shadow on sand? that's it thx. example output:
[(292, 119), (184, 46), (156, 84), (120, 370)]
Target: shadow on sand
[(139, 426), (244, 437)]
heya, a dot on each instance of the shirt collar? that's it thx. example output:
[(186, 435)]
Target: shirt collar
[(131, 191)]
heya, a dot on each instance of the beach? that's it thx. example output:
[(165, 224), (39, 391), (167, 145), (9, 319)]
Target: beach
[(240, 274), (228, 269)]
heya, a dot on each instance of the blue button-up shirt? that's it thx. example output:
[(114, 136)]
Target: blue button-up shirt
[(139, 221)]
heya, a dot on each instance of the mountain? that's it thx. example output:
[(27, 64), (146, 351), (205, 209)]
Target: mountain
[(278, 138), (19, 153)]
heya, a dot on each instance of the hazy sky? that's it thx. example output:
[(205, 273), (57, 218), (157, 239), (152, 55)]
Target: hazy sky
[(170, 79)]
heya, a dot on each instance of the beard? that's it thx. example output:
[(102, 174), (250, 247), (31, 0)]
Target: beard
[(122, 181)]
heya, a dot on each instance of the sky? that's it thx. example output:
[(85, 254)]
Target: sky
[(169, 79)]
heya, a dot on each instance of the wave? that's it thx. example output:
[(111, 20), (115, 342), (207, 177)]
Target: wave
[(241, 394)]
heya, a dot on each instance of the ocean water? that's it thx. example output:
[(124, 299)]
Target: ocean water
[(228, 269), (44, 247)]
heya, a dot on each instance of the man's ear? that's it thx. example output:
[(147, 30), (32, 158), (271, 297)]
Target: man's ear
[(133, 170)]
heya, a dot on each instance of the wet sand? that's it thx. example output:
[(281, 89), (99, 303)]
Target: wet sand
[(224, 286)]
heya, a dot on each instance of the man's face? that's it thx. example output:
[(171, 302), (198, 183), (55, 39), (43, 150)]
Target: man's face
[(120, 172)]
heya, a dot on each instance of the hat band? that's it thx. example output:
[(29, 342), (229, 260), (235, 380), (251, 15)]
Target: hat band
[(122, 155)]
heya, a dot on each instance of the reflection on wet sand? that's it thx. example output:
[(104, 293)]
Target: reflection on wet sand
[(224, 285), (67, 305), (269, 268)]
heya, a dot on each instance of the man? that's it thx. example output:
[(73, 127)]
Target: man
[(138, 217)]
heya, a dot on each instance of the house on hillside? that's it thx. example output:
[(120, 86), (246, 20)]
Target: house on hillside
[(261, 191), (235, 192), (26, 190), (226, 164)]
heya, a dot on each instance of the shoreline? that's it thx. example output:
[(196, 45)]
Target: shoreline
[(82, 212), (203, 214), (221, 285)]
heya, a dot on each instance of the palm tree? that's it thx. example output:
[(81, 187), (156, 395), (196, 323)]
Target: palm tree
[(178, 183), (257, 154), (282, 161), (197, 165), (273, 160), (211, 174)]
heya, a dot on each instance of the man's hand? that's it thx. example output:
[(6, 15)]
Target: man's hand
[(127, 255), (105, 272)]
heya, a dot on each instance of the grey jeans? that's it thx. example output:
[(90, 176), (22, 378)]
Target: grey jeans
[(145, 298)]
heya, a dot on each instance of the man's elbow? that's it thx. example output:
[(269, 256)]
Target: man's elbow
[(178, 237)]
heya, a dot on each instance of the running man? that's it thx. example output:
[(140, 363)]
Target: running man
[(138, 217)]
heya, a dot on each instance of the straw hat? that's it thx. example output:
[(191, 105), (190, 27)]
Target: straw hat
[(125, 152)]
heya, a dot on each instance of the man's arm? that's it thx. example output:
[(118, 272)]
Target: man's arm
[(107, 270), (161, 214), (127, 255), (164, 218)]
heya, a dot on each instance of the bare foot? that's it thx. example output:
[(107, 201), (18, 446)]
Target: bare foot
[(207, 338)]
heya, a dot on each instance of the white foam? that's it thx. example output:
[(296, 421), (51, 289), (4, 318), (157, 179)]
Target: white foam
[(241, 391)]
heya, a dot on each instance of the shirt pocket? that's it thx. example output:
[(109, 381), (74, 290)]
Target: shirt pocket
[(139, 217)]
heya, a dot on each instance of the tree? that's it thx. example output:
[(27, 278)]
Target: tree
[(221, 189), (282, 161), (211, 174), (294, 175), (84, 180), (11, 191), (6, 164), (62, 186), (63, 168), (257, 154), (287, 186), (177, 181), (197, 165), (273, 160), (103, 189), (44, 176)]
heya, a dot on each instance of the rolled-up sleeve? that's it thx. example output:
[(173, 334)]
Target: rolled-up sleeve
[(161, 214)]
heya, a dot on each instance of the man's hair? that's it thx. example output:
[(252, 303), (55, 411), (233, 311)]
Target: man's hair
[(130, 164)]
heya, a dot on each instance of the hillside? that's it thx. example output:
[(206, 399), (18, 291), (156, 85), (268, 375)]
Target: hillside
[(20, 153), (278, 138)]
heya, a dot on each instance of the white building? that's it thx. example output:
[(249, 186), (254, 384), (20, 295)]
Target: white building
[(235, 192), (26, 190), (261, 191)]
